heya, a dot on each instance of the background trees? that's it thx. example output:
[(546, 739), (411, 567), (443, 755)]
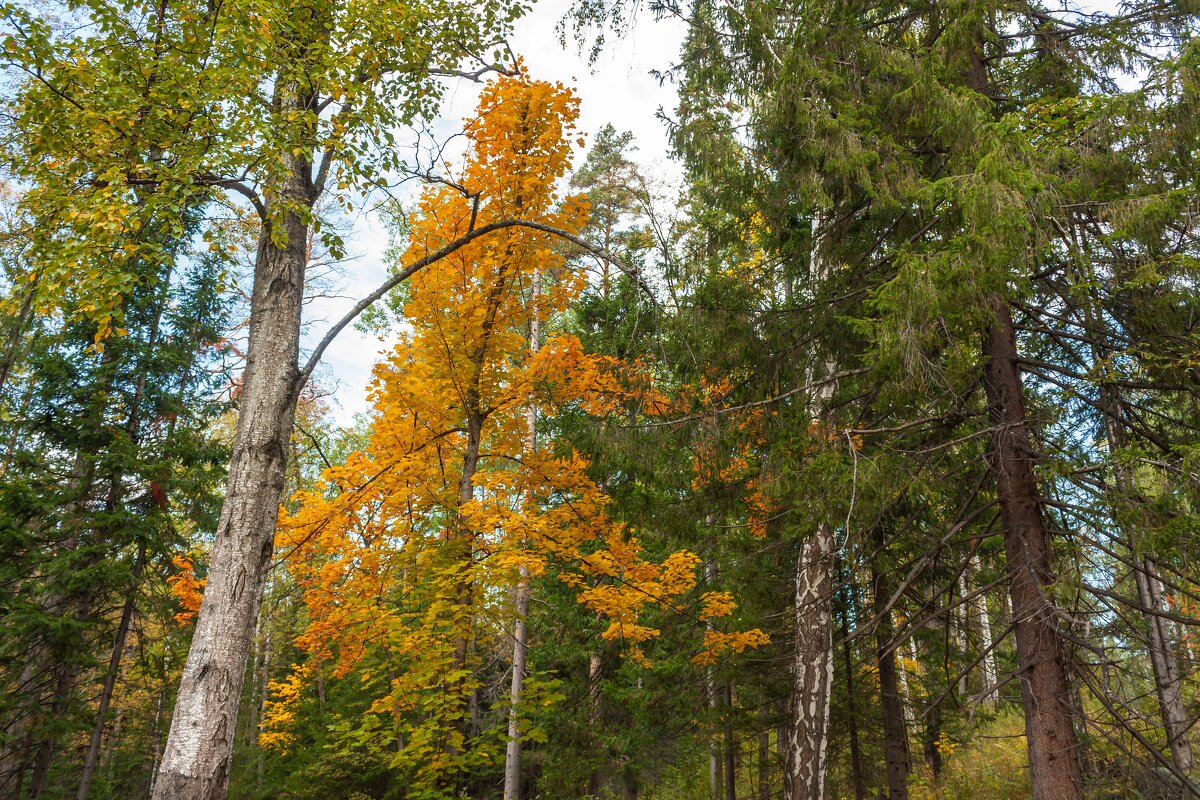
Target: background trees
[(866, 466)]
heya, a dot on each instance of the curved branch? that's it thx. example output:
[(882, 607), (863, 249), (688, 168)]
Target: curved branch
[(241, 188), (406, 273)]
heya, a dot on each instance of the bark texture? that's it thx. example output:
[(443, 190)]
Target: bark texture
[(812, 664), (1054, 766), (812, 669), (195, 762)]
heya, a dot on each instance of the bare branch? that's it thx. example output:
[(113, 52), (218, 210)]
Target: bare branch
[(462, 241)]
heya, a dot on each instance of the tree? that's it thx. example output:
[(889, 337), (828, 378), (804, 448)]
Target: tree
[(277, 104), (109, 459), (408, 554)]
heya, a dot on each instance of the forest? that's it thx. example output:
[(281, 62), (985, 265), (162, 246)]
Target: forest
[(853, 455)]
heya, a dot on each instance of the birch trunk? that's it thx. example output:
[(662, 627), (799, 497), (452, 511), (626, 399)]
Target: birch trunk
[(963, 624), (812, 669), (812, 666), (984, 623)]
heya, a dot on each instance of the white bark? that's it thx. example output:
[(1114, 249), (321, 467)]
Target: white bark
[(984, 623), (195, 763), (812, 666), (512, 754)]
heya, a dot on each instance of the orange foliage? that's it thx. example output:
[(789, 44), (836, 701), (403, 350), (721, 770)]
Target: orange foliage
[(187, 588), (401, 550)]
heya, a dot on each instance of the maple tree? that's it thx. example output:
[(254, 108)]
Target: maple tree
[(402, 548)]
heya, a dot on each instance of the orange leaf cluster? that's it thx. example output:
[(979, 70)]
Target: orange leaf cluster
[(187, 589), (400, 552)]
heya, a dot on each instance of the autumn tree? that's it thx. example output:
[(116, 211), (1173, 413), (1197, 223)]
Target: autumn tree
[(402, 550), (274, 105)]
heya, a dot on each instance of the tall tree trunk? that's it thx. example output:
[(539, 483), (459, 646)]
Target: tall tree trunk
[(595, 695), (962, 624), (264, 681), (512, 754), (812, 669), (856, 765), (895, 729), (195, 763), (812, 665), (730, 746), (92, 756), (1162, 659), (1054, 767), (715, 782), (63, 687), (764, 765)]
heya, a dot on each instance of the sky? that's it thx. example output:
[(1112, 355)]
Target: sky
[(617, 89)]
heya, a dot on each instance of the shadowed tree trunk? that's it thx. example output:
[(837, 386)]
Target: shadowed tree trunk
[(1054, 768), (849, 610), (895, 730)]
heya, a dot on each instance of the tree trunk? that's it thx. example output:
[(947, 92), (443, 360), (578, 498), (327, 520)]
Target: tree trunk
[(595, 676), (715, 782), (264, 681), (1054, 767), (730, 746), (115, 493), (195, 762), (764, 765), (1166, 670), (110, 681), (812, 666), (986, 643), (962, 624), (856, 766), (49, 746), (512, 754), (812, 669), (895, 729)]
